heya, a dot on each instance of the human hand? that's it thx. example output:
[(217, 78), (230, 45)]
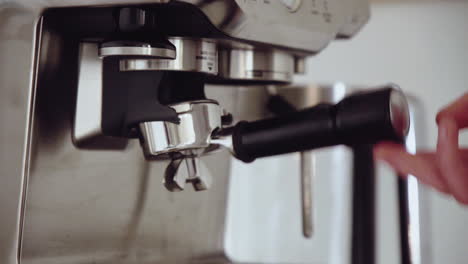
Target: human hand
[(446, 169)]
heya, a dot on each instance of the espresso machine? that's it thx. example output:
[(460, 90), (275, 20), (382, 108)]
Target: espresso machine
[(122, 120)]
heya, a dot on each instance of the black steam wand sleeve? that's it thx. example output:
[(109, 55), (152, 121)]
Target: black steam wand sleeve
[(285, 134), (362, 118)]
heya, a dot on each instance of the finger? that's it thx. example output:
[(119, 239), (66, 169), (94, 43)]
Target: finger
[(450, 160), (422, 166), (457, 111)]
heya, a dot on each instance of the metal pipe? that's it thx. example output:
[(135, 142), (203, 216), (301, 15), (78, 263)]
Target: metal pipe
[(363, 204)]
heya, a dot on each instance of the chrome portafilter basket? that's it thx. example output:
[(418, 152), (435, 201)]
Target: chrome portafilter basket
[(185, 142)]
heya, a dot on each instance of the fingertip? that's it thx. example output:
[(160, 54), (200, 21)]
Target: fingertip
[(438, 117), (404, 176), (450, 161), (448, 136), (387, 149), (462, 199), (441, 187), (390, 163), (380, 152), (447, 121), (444, 116), (456, 111), (387, 145), (441, 115), (392, 157)]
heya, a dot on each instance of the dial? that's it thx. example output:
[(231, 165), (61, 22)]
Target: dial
[(292, 5)]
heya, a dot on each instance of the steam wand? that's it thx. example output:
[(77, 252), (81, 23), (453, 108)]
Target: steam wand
[(361, 118)]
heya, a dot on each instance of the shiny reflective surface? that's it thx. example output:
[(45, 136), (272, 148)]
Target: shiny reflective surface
[(17, 82), (194, 55), (308, 30), (254, 65), (417, 199), (307, 175), (107, 206), (309, 27), (144, 51), (198, 121), (87, 130), (87, 123), (189, 169), (110, 206), (99, 206), (399, 112)]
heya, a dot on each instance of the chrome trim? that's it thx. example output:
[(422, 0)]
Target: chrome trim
[(189, 169), (307, 161), (19, 49), (198, 121), (399, 112), (147, 51), (29, 130), (416, 199), (256, 65), (194, 55), (87, 123)]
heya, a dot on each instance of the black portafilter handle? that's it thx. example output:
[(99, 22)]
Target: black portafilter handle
[(361, 118)]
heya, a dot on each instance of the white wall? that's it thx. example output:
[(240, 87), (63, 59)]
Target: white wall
[(423, 47)]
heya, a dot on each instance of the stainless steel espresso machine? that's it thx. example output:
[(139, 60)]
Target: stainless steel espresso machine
[(122, 119)]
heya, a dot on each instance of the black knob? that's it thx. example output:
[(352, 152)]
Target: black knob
[(361, 118), (131, 19)]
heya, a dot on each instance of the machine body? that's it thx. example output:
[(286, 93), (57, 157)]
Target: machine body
[(98, 83)]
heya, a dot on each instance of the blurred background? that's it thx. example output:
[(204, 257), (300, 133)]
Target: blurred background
[(422, 46)]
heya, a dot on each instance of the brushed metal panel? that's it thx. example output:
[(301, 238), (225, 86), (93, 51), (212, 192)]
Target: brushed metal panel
[(307, 31), (107, 206), (17, 50)]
